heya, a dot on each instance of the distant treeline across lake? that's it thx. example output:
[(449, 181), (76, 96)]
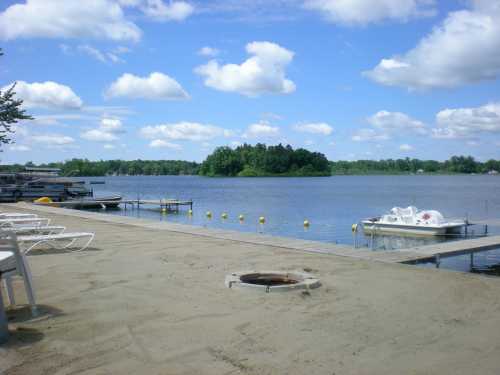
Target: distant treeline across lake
[(262, 160)]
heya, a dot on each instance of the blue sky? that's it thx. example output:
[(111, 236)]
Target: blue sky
[(156, 79)]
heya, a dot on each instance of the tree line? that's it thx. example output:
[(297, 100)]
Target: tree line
[(84, 167), (262, 160), (456, 164)]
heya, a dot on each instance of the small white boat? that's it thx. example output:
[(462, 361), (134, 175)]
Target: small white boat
[(411, 221)]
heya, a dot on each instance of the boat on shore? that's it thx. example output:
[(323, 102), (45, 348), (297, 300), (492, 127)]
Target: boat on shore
[(105, 202), (36, 183), (411, 221)]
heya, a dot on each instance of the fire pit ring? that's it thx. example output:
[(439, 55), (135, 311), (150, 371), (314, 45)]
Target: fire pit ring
[(272, 281)]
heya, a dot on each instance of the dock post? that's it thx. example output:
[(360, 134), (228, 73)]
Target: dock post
[(471, 261), (438, 260)]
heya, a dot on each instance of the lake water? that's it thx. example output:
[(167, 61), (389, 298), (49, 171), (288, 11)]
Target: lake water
[(331, 204)]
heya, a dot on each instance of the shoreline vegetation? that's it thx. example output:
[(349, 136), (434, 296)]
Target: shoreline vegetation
[(266, 161)]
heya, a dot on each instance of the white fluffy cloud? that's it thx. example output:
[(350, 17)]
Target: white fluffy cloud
[(208, 51), (48, 94), (102, 19), (464, 49), (263, 72), (406, 147), (172, 11), (367, 134), (467, 122), (396, 122), (370, 11), (108, 131), (52, 140), (21, 148), (314, 128), (160, 143), (261, 130), (386, 124), (156, 86), (187, 131)]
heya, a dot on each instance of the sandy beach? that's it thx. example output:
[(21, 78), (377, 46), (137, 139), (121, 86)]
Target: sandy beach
[(144, 299)]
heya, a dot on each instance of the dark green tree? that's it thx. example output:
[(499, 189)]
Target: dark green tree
[(10, 113)]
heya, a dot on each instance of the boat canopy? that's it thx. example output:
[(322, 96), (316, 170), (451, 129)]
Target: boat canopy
[(412, 216)]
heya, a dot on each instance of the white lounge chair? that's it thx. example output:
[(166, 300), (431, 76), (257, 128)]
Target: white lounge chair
[(16, 215), (26, 230), (27, 221), (13, 262), (53, 240)]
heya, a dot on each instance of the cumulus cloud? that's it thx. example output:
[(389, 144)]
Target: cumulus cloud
[(262, 73), (109, 146), (156, 86), (208, 51), (405, 147), (105, 57), (369, 11), (367, 134), (103, 19), (386, 124), (160, 143), (173, 11), (261, 130), (52, 140), (314, 128), (21, 148), (50, 95), (463, 49), (108, 131), (467, 122), (187, 131), (396, 121)]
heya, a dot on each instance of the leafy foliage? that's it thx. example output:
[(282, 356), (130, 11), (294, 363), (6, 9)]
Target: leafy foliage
[(10, 113), (84, 167), (261, 160), (456, 164)]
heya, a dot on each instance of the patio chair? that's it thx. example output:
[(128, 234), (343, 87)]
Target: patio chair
[(16, 215), (28, 230), (26, 221), (53, 240), (13, 262)]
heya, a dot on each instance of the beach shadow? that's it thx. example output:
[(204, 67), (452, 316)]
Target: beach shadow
[(20, 314), (22, 336), (51, 251)]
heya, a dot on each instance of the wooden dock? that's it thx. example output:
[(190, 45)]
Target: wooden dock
[(436, 252), (163, 204)]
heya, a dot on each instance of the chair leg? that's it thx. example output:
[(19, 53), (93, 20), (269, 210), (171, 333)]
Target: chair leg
[(28, 285), (10, 291)]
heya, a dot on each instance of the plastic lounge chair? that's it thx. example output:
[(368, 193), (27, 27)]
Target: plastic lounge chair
[(54, 239), (16, 215), (12, 263), (26, 230), (35, 221)]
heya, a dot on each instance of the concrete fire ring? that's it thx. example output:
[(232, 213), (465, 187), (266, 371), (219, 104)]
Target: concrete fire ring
[(272, 281)]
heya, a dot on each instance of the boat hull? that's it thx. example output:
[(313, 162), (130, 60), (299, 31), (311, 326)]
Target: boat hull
[(406, 229)]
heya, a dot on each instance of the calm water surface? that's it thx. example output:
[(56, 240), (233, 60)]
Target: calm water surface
[(331, 204)]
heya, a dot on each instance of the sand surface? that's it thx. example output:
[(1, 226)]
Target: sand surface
[(152, 301)]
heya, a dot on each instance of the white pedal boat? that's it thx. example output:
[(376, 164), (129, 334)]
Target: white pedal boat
[(411, 221)]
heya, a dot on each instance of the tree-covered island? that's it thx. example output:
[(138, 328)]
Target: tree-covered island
[(262, 160)]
